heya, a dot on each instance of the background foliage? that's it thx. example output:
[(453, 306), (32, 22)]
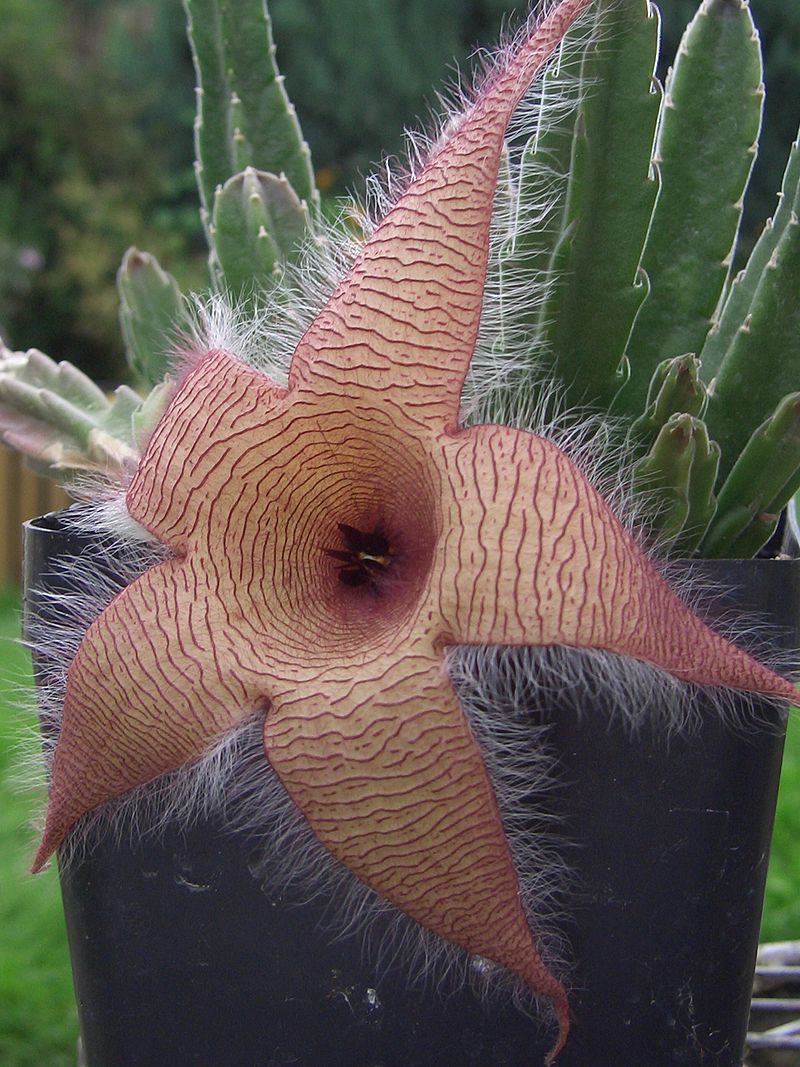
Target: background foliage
[(96, 112), (95, 147)]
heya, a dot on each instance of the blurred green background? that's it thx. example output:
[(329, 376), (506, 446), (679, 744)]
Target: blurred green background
[(96, 108)]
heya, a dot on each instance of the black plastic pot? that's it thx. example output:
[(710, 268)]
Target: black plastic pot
[(181, 958)]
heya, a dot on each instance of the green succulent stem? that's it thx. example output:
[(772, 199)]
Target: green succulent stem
[(740, 298), (258, 224), (762, 364), (764, 478), (676, 389), (706, 147), (597, 286), (244, 116), (63, 423), (677, 478), (151, 312)]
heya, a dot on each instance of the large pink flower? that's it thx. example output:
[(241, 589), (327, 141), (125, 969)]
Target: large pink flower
[(333, 537)]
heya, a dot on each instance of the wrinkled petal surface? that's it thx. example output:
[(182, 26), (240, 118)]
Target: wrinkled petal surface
[(388, 774), (154, 683), (536, 557)]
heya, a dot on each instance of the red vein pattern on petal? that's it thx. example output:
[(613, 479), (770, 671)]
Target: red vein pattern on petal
[(386, 770), (541, 559), (405, 318), (148, 691)]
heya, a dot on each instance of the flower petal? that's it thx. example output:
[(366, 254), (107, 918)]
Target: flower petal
[(385, 768), (149, 689), (218, 413), (403, 321), (536, 557)]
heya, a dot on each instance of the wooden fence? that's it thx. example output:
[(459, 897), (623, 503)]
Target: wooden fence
[(24, 495)]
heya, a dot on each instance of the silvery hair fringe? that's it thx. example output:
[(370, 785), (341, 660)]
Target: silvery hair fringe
[(506, 693)]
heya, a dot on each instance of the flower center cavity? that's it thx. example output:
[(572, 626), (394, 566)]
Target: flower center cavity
[(365, 556)]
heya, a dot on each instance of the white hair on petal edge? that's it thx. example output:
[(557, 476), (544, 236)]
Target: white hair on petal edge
[(76, 589), (266, 332), (530, 195)]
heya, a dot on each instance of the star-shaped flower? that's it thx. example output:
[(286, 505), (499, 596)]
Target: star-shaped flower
[(330, 540)]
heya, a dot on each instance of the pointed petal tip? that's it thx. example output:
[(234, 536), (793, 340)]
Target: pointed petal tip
[(739, 670), (559, 999), (787, 690), (47, 847), (563, 1018), (60, 819)]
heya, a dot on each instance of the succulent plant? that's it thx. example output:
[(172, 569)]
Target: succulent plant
[(55, 415)]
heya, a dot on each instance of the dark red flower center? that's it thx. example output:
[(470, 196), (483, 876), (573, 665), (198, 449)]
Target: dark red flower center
[(366, 556)]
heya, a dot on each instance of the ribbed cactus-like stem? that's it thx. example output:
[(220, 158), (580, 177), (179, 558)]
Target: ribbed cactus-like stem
[(609, 202), (763, 480), (676, 389), (244, 117), (762, 364), (740, 298), (706, 147), (258, 223), (678, 476), (58, 418)]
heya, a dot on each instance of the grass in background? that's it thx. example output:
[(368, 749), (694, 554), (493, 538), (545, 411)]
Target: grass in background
[(38, 1022), (782, 906)]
